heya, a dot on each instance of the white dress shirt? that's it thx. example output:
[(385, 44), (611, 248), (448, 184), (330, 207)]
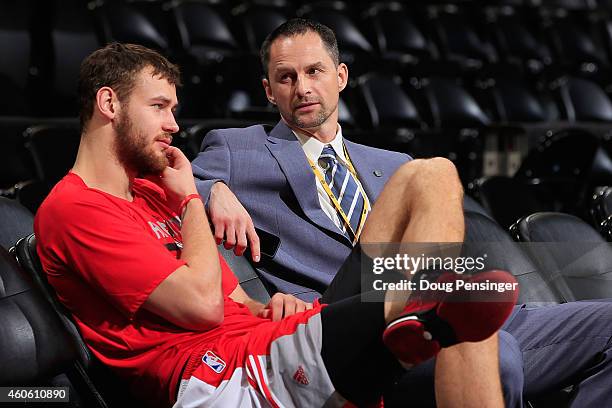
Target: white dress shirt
[(313, 148)]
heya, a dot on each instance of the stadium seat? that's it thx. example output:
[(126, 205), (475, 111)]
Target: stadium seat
[(391, 119), (35, 347), (257, 23), (485, 236), (388, 105), (508, 199), (518, 103), (53, 149), (103, 385), (130, 23), (567, 4), (517, 41), (246, 274), (15, 43), (565, 169), (203, 32), (214, 64), (192, 136), (16, 222), (576, 41), (245, 98), (460, 118), (16, 165), (72, 39), (572, 254), (585, 101), (396, 34), (458, 40), (453, 106), (355, 50)]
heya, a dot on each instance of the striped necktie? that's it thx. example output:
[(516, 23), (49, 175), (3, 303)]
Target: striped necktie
[(344, 186)]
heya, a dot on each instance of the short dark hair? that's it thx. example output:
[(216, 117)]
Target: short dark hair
[(116, 66), (299, 26)]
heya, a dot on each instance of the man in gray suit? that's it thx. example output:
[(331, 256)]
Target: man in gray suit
[(280, 177), (285, 195)]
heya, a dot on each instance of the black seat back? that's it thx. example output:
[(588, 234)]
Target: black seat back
[(16, 166), (452, 106), (459, 40), (570, 249), (15, 43), (561, 168), (517, 40), (508, 199), (517, 102), (587, 101), (483, 235), (33, 342), (388, 105), (345, 117), (35, 347), (102, 383), (25, 250), (127, 22), (246, 274), (355, 49), (258, 23), (73, 38), (201, 26), (15, 222), (53, 149), (577, 41), (396, 33)]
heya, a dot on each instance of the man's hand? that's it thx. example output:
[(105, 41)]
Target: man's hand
[(176, 179), (232, 222), (282, 305)]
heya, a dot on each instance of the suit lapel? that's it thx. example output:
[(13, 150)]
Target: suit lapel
[(288, 152), (372, 184)]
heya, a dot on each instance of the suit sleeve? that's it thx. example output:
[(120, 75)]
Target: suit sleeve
[(212, 164)]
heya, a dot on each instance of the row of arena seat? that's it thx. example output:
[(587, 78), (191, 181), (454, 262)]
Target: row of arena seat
[(559, 173), (538, 49), (430, 94)]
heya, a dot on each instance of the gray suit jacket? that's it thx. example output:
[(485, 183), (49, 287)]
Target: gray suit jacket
[(270, 175)]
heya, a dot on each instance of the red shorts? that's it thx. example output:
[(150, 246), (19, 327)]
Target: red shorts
[(275, 364)]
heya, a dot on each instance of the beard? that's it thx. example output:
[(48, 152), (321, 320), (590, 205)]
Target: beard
[(134, 150), (320, 118)]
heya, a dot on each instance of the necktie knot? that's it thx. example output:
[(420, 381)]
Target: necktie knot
[(328, 158)]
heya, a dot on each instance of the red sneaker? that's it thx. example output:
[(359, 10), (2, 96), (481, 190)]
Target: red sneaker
[(429, 323)]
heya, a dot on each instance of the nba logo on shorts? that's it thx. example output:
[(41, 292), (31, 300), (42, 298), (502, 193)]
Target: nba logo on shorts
[(213, 361)]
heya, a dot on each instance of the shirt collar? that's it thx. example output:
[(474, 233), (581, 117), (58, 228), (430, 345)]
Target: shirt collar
[(313, 147)]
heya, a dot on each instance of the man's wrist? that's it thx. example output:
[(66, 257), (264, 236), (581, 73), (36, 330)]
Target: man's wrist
[(217, 185), (185, 201)]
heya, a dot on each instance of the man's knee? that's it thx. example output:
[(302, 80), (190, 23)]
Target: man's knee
[(428, 175), (511, 370)]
